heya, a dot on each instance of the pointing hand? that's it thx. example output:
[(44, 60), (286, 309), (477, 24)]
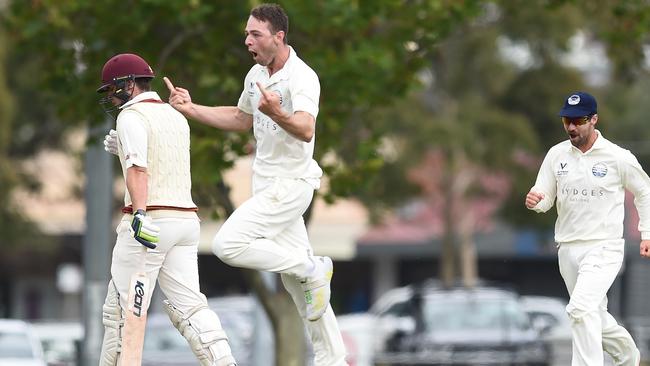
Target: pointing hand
[(270, 103), (179, 98)]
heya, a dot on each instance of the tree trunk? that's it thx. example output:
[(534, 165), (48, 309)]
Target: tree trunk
[(464, 219), (448, 250), (448, 261), (290, 348), (288, 328), (468, 260)]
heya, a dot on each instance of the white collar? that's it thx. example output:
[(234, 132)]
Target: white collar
[(140, 97)]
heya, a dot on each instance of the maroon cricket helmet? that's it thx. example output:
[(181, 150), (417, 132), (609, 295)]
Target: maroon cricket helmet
[(124, 65)]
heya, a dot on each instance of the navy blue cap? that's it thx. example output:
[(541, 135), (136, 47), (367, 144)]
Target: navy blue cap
[(579, 104)]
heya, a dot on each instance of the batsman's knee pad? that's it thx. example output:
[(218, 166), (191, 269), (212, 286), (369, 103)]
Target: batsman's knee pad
[(113, 323), (202, 329)]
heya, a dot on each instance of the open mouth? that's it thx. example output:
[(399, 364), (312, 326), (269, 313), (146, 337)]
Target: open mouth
[(253, 53)]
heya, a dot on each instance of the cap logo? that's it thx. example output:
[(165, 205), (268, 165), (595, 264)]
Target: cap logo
[(574, 99)]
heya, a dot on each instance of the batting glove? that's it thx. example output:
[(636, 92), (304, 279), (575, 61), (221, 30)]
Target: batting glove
[(110, 142), (143, 229)]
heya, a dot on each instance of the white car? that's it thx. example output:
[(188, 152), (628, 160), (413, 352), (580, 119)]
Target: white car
[(249, 333), (61, 341), (18, 344), (358, 333), (404, 327), (548, 314)]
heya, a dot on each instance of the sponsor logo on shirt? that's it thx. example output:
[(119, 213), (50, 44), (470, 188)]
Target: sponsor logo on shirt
[(264, 122), (562, 170), (579, 194), (599, 170)]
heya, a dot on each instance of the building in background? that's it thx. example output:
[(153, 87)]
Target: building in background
[(369, 260)]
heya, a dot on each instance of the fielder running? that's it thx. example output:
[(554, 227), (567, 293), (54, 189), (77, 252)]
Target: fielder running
[(153, 144), (267, 232), (586, 176)]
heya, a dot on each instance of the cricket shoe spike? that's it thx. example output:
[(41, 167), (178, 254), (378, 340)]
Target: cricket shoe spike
[(317, 288)]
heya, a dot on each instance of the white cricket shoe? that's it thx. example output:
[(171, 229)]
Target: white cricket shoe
[(317, 288)]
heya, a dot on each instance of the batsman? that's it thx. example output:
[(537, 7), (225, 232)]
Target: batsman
[(158, 236)]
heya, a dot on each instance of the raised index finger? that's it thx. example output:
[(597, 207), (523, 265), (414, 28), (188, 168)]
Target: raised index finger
[(169, 84), (265, 94)]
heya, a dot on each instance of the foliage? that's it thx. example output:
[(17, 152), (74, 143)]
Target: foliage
[(17, 231), (367, 59), (364, 55)]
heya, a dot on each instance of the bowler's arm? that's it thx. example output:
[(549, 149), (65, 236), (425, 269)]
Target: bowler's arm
[(301, 125), (224, 118)]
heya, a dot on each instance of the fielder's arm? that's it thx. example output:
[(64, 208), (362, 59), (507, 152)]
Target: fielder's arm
[(542, 195), (645, 248), (224, 118)]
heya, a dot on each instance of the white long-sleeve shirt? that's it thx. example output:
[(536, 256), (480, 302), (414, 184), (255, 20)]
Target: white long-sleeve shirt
[(590, 190)]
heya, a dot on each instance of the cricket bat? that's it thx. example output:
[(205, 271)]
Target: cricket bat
[(136, 318)]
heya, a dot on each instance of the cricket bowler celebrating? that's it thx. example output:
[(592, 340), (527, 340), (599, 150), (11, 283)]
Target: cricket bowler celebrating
[(158, 236), (267, 232), (586, 177)]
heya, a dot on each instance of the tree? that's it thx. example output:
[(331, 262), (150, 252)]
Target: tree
[(481, 117), (360, 50), (17, 231), (466, 171), (471, 71)]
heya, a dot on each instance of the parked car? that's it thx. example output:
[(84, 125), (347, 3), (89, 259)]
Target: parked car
[(358, 333), (61, 341), (164, 345), (394, 315), (480, 326), (548, 314), (247, 329), (18, 344)]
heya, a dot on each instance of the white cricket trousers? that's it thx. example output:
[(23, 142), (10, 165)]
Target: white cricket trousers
[(174, 262), (588, 270), (267, 233)]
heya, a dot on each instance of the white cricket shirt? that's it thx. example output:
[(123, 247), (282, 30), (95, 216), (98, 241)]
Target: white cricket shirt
[(278, 153), (589, 190)]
